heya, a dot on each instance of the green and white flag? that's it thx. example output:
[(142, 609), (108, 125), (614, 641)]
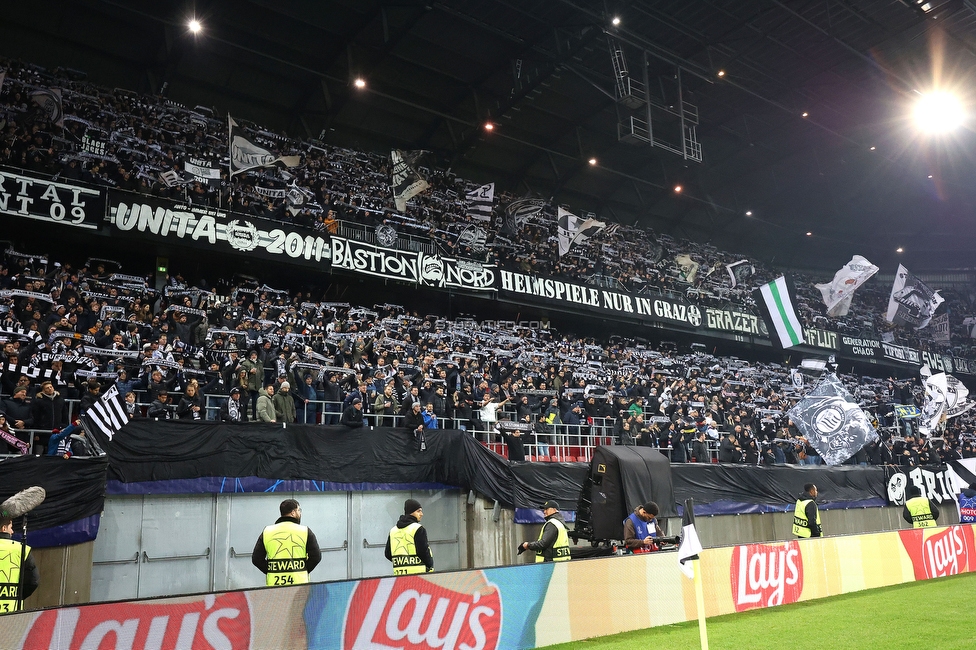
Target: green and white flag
[(777, 301)]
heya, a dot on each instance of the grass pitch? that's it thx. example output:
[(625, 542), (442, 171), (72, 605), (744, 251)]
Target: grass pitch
[(931, 614)]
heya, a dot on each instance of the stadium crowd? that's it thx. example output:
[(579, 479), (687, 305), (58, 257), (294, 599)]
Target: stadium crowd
[(117, 138), (242, 351)]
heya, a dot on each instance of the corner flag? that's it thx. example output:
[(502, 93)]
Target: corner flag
[(690, 545)]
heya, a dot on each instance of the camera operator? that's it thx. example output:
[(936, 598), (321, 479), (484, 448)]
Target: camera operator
[(641, 528)]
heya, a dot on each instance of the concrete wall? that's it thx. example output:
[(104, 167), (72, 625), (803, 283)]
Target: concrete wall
[(66, 573)]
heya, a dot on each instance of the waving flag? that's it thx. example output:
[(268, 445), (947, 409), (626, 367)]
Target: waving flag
[(573, 229), (832, 422), (912, 302), (407, 181), (838, 293), (245, 155), (480, 202), (776, 300), (106, 417)]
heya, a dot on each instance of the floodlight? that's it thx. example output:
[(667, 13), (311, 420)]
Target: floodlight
[(938, 112), (359, 83), (195, 26)]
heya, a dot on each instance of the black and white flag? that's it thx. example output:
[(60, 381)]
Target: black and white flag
[(573, 229), (202, 171), (940, 328), (407, 181), (480, 202), (739, 271), (911, 302), (832, 422), (48, 102), (106, 417), (473, 237), (690, 545), (173, 178), (245, 155)]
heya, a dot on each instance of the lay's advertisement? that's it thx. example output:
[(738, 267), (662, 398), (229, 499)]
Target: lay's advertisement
[(500, 608)]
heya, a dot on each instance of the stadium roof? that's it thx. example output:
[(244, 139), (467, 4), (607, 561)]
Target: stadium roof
[(805, 127)]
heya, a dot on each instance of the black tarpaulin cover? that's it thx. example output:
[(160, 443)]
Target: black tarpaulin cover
[(146, 450), (75, 487), (623, 478), (535, 483), (777, 485)]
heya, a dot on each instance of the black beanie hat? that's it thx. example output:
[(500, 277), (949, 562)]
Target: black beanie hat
[(411, 506)]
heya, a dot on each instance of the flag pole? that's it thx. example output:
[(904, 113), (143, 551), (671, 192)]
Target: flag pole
[(700, 603), (689, 551)]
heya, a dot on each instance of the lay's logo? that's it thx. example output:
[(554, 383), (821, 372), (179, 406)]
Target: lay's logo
[(939, 553), (208, 622), (460, 611), (765, 575)]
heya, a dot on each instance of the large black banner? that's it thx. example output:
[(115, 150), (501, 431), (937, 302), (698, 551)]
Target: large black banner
[(146, 450), (411, 266), (42, 200), (75, 487), (935, 483), (728, 489), (602, 301), (216, 230)]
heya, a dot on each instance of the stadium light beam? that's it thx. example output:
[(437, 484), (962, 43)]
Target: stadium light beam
[(194, 26), (938, 112), (359, 82)]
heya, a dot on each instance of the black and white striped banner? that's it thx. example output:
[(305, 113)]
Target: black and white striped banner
[(106, 417)]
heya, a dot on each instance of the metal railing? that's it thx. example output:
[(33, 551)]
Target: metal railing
[(549, 442)]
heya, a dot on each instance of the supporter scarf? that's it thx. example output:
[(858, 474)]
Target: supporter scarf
[(13, 441)]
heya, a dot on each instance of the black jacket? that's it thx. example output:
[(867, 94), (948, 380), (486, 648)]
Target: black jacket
[(413, 420), (549, 535), (352, 418), (259, 556), (49, 412), (419, 540)]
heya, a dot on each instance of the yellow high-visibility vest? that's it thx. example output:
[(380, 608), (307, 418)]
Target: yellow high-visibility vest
[(560, 550), (10, 574), (801, 527), (921, 512), (403, 548), (285, 544)]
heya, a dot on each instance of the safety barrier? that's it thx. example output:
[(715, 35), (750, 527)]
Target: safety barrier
[(542, 603)]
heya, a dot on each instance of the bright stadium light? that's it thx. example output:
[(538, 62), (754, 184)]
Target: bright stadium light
[(938, 112), (616, 21), (359, 82), (195, 26)]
